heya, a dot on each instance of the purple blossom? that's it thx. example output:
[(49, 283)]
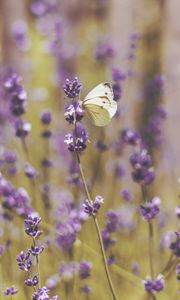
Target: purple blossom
[(107, 239), (72, 88), (22, 128), (32, 228), (73, 112), (127, 195), (20, 35), (117, 91), (84, 269), (130, 137), (46, 117), (10, 291), (104, 51), (92, 207), (32, 282), (156, 285), (68, 271), (42, 294), (23, 260), (76, 142), (175, 246), (30, 172), (86, 289), (151, 209), (118, 75), (16, 95), (36, 250), (142, 164)]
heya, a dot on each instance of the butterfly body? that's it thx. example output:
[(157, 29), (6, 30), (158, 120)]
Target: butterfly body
[(99, 104)]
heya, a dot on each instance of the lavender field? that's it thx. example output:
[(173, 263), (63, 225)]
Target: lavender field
[(89, 150)]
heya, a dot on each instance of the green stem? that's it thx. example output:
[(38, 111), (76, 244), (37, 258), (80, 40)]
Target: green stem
[(151, 235), (37, 264), (98, 233)]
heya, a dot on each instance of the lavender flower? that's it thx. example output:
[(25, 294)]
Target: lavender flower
[(72, 88), (43, 294), (76, 142), (84, 269), (24, 261), (130, 137), (32, 228), (104, 51), (10, 291), (92, 207), (73, 113), (32, 282), (142, 165), (156, 285), (22, 129), (151, 209), (46, 118), (16, 94), (127, 195), (175, 246), (30, 172)]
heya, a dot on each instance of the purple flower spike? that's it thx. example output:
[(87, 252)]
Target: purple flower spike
[(156, 285), (30, 172), (32, 282), (22, 129), (175, 246), (72, 88), (76, 142), (142, 164), (46, 118), (84, 269), (24, 261), (73, 112), (92, 207), (151, 209), (32, 228), (130, 137), (10, 291)]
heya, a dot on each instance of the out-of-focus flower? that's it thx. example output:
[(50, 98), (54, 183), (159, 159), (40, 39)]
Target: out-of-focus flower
[(130, 137), (22, 129), (104, 50), (175, 246), (84, 269), (20, 35), (127, 195), (142, 164), (46, 117), (30, 172)]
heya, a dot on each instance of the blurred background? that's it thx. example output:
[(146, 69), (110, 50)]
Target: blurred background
[(47, 41)]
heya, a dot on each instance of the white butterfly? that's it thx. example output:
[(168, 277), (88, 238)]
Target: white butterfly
[(99, 104)]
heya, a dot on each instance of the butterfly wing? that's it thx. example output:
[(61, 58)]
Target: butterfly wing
[(101, 90), (97, 114), (99, 104)]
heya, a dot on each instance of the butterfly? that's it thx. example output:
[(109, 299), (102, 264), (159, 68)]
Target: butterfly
[(99, 104)]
